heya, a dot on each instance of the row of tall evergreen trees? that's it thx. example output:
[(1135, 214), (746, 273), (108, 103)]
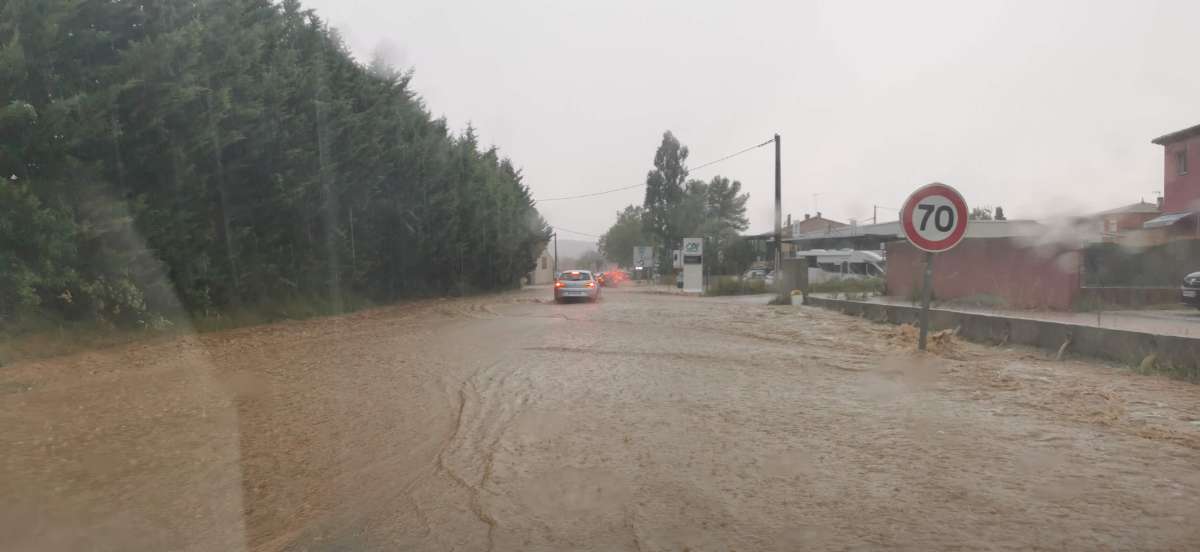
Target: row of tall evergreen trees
[(198, 155)]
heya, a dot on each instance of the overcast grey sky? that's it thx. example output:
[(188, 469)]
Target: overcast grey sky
[(1042, 107)]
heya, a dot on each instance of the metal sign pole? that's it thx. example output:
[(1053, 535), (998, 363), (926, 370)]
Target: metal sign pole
[(934, 219), (926, 292)]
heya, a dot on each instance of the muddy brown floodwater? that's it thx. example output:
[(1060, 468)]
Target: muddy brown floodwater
[(644, 422)]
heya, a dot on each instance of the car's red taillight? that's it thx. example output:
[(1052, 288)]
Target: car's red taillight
[(590, 284), (559, 284)]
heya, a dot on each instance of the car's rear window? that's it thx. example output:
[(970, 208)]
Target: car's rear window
[(576, 276)]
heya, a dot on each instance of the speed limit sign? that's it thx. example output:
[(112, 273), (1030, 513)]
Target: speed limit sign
[(934, 218)]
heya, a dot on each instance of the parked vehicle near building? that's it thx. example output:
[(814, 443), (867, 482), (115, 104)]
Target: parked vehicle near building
[(576, 284), (836, 264), (1189, 293)]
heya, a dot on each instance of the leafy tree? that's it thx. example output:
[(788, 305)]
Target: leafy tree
[(726, 203), (725, 213), (716, 211), (618, 242), (689, 216), (980, 213), (735, 255), (665, 190), (37, 247), (675, 207)]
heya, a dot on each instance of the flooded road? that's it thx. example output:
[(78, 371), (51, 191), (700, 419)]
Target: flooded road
[(643, 422)]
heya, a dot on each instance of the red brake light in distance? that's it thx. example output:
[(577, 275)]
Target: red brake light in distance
[(559, 284)]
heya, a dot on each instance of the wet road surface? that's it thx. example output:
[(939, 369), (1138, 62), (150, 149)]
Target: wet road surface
[(644, 422)]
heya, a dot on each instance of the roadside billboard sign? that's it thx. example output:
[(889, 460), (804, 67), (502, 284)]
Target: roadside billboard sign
[(693, 265), (643, 257)]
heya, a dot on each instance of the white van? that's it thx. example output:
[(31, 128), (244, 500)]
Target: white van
[(834, 264)]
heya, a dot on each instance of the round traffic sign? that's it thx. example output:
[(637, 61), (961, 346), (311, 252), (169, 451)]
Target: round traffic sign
[(934, 217)]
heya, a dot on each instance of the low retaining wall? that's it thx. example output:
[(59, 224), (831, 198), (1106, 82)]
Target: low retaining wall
[(1175, 356)]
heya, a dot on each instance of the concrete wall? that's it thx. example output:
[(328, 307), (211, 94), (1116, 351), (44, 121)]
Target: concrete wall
[(1175, 356), (1003, 268), (1181, 192)]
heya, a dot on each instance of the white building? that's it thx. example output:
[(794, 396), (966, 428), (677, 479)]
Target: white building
[(543, 271)]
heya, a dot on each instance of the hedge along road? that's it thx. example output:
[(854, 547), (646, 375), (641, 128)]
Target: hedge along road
[(645, 421)]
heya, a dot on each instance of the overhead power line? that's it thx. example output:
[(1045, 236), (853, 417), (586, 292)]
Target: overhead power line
[(731, 156), (569, 231), (593, 194), (623, 188)]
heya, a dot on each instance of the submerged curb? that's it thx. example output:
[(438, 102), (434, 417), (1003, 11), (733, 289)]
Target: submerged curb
[(1172, 355)]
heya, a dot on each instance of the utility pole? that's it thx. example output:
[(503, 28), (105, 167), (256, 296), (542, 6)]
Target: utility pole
[(875, 214), (778, 217), (555, 236)]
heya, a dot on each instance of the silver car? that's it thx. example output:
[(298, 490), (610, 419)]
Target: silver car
[(576, 284)]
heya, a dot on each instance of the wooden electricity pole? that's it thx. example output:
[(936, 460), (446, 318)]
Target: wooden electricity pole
[(778, 217)]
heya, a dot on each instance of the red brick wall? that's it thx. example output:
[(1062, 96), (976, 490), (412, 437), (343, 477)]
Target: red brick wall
[(1022, 277), (1182, 192)]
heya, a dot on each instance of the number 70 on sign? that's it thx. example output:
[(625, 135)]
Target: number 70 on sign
[(934, 218)]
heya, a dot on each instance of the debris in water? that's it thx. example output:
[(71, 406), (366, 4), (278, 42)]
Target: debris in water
[(942, 342)]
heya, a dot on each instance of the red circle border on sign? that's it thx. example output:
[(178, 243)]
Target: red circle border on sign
[(910, 204)]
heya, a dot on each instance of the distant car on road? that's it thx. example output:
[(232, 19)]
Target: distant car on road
[(612, 278), (576, 284), (767, 276), (1189, 293)]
